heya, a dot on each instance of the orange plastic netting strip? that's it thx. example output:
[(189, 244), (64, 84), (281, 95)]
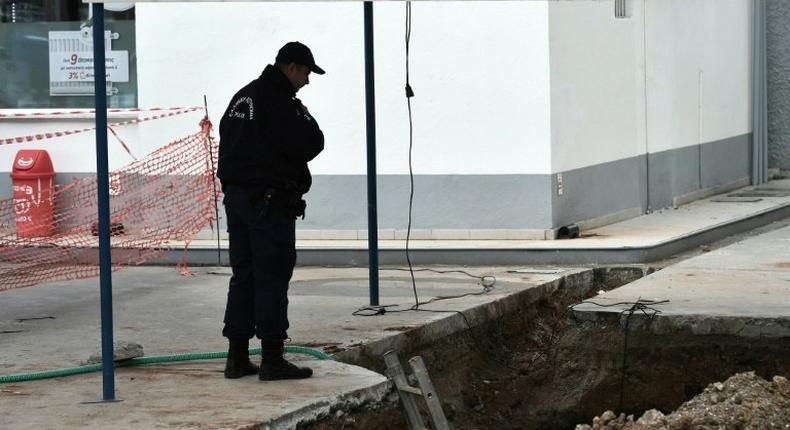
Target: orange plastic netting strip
[(167, 196)]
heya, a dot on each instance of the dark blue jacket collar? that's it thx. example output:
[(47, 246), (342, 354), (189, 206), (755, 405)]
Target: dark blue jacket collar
[(279, 80)]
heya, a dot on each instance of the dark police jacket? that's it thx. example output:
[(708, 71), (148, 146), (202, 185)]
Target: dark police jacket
[(266, 137)]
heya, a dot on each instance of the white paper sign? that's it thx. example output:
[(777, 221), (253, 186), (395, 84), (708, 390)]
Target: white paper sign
[(78, 66)]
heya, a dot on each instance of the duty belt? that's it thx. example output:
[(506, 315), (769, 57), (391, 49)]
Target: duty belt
[(292, 202)]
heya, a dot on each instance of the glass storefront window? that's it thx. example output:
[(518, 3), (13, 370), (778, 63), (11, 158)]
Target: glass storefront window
[(25, 33)]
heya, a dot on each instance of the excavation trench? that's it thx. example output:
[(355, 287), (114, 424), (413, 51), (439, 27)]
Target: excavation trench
[(534, 367)]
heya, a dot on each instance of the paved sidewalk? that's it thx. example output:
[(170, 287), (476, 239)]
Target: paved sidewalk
[(742, 290), (57, 325), (186, 395)]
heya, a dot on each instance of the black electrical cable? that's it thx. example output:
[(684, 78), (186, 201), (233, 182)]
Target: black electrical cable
[(409, 95), (369, 311), (642, 305), (486, 281)]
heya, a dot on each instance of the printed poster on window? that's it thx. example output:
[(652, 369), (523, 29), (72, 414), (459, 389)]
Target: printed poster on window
[(71, 60), (78, 66)]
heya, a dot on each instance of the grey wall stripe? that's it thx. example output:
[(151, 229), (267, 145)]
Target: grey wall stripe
[(440, 201), (726, 160), (594, 191), (607, 188), (481, 202), (673, 173)]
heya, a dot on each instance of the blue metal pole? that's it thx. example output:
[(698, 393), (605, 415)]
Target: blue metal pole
[(103, 190), (370, 104)]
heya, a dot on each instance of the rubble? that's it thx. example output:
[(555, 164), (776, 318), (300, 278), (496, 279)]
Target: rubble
[(744, 401), (121, 351)]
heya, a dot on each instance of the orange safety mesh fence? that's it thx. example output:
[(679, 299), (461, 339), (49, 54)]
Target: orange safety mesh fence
[(167, 196)]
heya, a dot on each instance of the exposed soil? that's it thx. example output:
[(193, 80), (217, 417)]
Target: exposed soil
[(534, 369), (744, 401)]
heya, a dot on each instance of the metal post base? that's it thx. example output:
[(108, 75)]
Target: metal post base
[(97, 402)]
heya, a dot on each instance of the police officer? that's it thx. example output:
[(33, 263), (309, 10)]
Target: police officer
[(267, 136)]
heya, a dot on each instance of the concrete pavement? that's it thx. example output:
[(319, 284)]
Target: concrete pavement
[(740, 290), (57, 325), (187, 395)]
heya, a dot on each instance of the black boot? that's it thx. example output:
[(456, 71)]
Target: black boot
[(274, 366), (238, 363)]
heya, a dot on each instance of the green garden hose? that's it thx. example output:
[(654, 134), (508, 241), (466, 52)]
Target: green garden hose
[(68, 371)]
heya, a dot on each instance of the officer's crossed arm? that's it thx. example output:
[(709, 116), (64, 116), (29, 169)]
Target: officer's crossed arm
[(295, 132)]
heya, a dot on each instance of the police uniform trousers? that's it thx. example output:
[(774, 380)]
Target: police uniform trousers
[(262, 255)]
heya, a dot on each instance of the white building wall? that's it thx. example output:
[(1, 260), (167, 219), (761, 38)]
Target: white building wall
[(727, 63), (507, 95), (479, 70), (647, 109), (597, 85), (483, 100), (482, 104), (698, 71), (683, 65)]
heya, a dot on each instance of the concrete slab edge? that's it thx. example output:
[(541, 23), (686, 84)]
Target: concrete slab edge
[(317, 411), (720, 231), (693, 324)]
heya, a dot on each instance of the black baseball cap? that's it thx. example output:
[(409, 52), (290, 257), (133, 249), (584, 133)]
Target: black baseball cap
[(295, 52)]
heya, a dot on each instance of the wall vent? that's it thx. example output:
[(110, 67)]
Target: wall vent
[(620, 9)]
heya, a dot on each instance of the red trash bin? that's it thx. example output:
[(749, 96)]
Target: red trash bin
[(34, 184)]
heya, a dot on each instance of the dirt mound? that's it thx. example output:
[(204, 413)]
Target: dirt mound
[(744, 401)]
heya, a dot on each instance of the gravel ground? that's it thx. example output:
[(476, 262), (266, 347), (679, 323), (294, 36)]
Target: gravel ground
[(744, 401)]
